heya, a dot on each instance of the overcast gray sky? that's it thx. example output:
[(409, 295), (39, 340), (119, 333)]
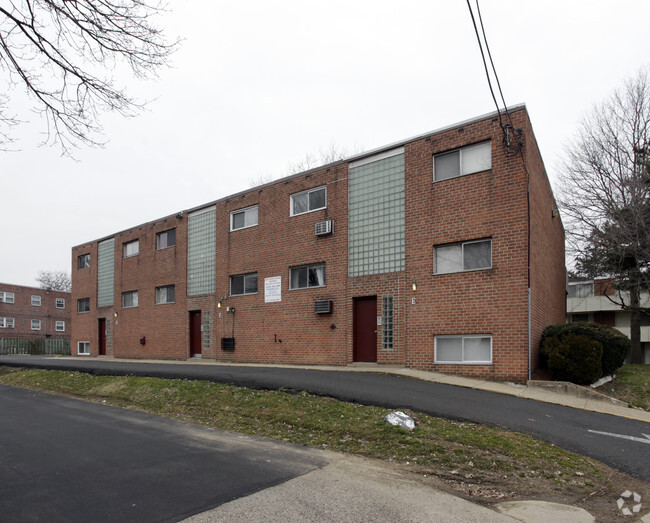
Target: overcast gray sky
[(257, 85)]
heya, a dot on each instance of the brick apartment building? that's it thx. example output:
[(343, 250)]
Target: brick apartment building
[(31, 313), (440, 252)]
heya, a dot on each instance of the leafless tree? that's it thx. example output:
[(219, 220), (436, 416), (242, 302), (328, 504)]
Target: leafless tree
[(605, 197), (63, 54), (54, 280)]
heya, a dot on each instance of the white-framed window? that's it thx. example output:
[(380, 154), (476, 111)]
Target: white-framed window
[(7, 297), (131, 248), (243, 284), (83, 305), (308, 201), (60, 303), (472, 349), (36, 300), (306, 276), (36, 325), (165, 294), (460, 257), (59, 326), (467, 160), (582, 289), (166, 239), (83, 347), (7, 323), (129, 299), (243, 218), (83, 261)]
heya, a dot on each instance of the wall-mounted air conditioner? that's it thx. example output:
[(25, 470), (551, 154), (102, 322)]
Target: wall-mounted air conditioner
[(323, 228), (323, 306)]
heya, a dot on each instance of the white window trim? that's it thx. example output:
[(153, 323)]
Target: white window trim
[(130, 306), (37, 299), (86, 344), (164, 302), (6, 297), (59, 323), (463, 337), (35, 328), (232, 218), (308, 266), (244, 275), (292, 213), (462, 244), (124, 248), (460, 150), (57, 303), (7, 323)]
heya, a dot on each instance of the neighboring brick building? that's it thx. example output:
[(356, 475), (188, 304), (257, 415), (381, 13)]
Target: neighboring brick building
[(31, 313), (377, 258), (587, 301)]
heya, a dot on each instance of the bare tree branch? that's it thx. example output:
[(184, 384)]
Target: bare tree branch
[(54, 280)]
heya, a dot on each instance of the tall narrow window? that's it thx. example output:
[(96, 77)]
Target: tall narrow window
[(387, 323)]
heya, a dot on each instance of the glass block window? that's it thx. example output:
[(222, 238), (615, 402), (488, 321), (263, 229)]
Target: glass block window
[(459, 257), (36, 325), (387, 323), (105, 272), (59, 326), (166, 294), (468, 160), (129, 299), (36, 301), (166, 239), (243, 218), (83, 347), (83, 261), (60, 303), (243, 284), (83, 305), (201, 252), (376, 214), (206, 330), (463, 349)]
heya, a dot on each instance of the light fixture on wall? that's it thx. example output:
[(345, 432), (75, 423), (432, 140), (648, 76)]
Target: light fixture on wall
[(115, 314), (218, 305), (414, 286)]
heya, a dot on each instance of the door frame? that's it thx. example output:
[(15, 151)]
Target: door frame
[(360, 353), (102, 335), (196, 343)]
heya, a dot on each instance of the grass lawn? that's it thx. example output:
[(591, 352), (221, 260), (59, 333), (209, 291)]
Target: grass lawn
[(482, 463), (632, 384)]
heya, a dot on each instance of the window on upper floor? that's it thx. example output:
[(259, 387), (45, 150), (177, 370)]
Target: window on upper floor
[(36, 325), (165, 294), (243, 218), (60, 303), (7, 323), (243, 284), (7, 297), (59, 326), (166, 239), (463, 349), (83, 261), (131, 248), (129, 299), (581, 289), (36, 300), (83, 305), (460, 257), (308, 201), (306, 276), (467, 160)]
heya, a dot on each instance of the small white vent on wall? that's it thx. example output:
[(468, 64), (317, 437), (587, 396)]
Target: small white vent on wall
[(323, 306), (323, 228)]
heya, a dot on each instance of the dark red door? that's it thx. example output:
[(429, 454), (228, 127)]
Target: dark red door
[(102, 336), (195, 333), (365, 329)]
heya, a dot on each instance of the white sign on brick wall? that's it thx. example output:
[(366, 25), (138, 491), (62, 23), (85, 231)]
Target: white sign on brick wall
[(273, 289)]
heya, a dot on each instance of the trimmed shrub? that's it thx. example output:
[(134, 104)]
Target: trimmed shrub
[(574, 357), (616, 345)]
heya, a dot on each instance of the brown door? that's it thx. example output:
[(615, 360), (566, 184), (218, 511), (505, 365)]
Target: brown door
[(365, 329), (195, 333), (102, 336)]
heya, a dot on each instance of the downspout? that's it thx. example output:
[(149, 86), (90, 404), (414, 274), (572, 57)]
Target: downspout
[(530, 319)]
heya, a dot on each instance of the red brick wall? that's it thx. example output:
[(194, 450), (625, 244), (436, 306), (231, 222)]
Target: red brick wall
[(23, 312)]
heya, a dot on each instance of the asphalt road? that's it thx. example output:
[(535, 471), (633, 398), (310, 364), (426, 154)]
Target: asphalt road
[(65, 460), (566, 427)]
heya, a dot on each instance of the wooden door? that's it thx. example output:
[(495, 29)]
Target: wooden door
[(195, 333), (365, 329), (102, 336)]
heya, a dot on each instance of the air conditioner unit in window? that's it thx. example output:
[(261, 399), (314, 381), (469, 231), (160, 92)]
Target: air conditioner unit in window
[(323, 228), (323, 306)]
